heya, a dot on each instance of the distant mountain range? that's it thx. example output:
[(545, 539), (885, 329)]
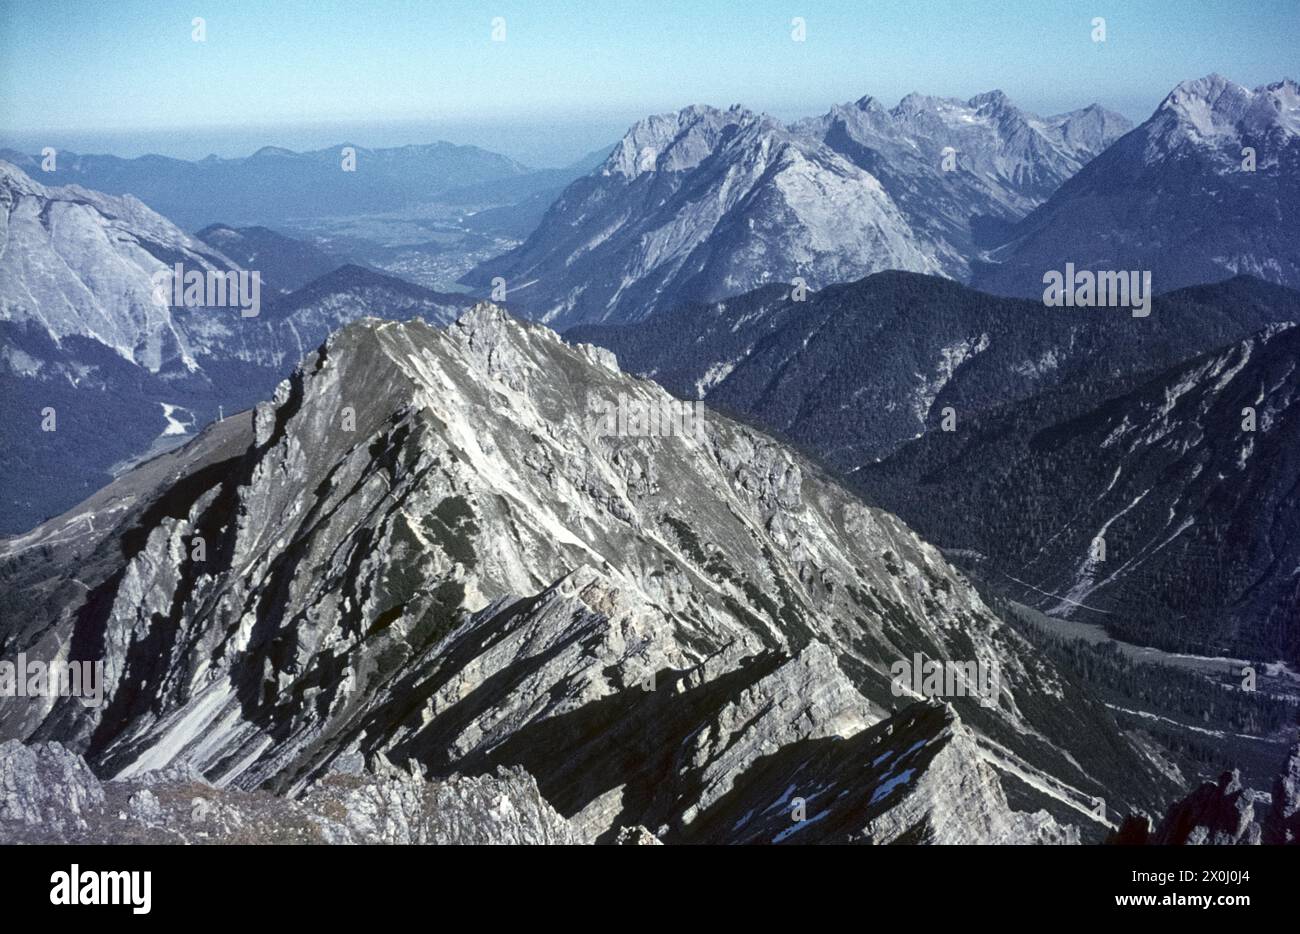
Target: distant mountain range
[(1205, 189), (706, 203), (84, 335), (962, 170), (274, 184)]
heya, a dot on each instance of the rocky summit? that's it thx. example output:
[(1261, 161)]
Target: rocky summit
[(427, 555)]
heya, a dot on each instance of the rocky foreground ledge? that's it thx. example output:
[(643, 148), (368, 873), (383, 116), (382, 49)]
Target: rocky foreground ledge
[(916, 777), (49, 795)]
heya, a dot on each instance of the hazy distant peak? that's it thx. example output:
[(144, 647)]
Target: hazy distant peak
[(994, 98), (868, 103), (676, 142), (273, 152)]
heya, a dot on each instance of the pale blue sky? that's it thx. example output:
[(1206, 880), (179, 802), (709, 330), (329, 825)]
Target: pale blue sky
[(290, 72)]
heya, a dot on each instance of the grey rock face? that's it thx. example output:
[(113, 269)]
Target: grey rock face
[(84, 334), (961, 169), (637, 836), (46, 785), (79, 263), (426, 553), (504, 808), (915, 778), (701, 204)]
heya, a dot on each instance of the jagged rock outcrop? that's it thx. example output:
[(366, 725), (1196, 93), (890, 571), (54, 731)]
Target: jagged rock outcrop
[(918, 777), (47, 785), (1225, 813), (637, 836), (500, 808), (1218, 813), (50, 796)]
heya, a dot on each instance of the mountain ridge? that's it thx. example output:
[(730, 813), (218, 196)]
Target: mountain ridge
[(274, 184), (476, 576), (704, 203), (796, 366)]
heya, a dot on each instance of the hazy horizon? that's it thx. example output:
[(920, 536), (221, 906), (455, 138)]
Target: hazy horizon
[(564, 81)]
